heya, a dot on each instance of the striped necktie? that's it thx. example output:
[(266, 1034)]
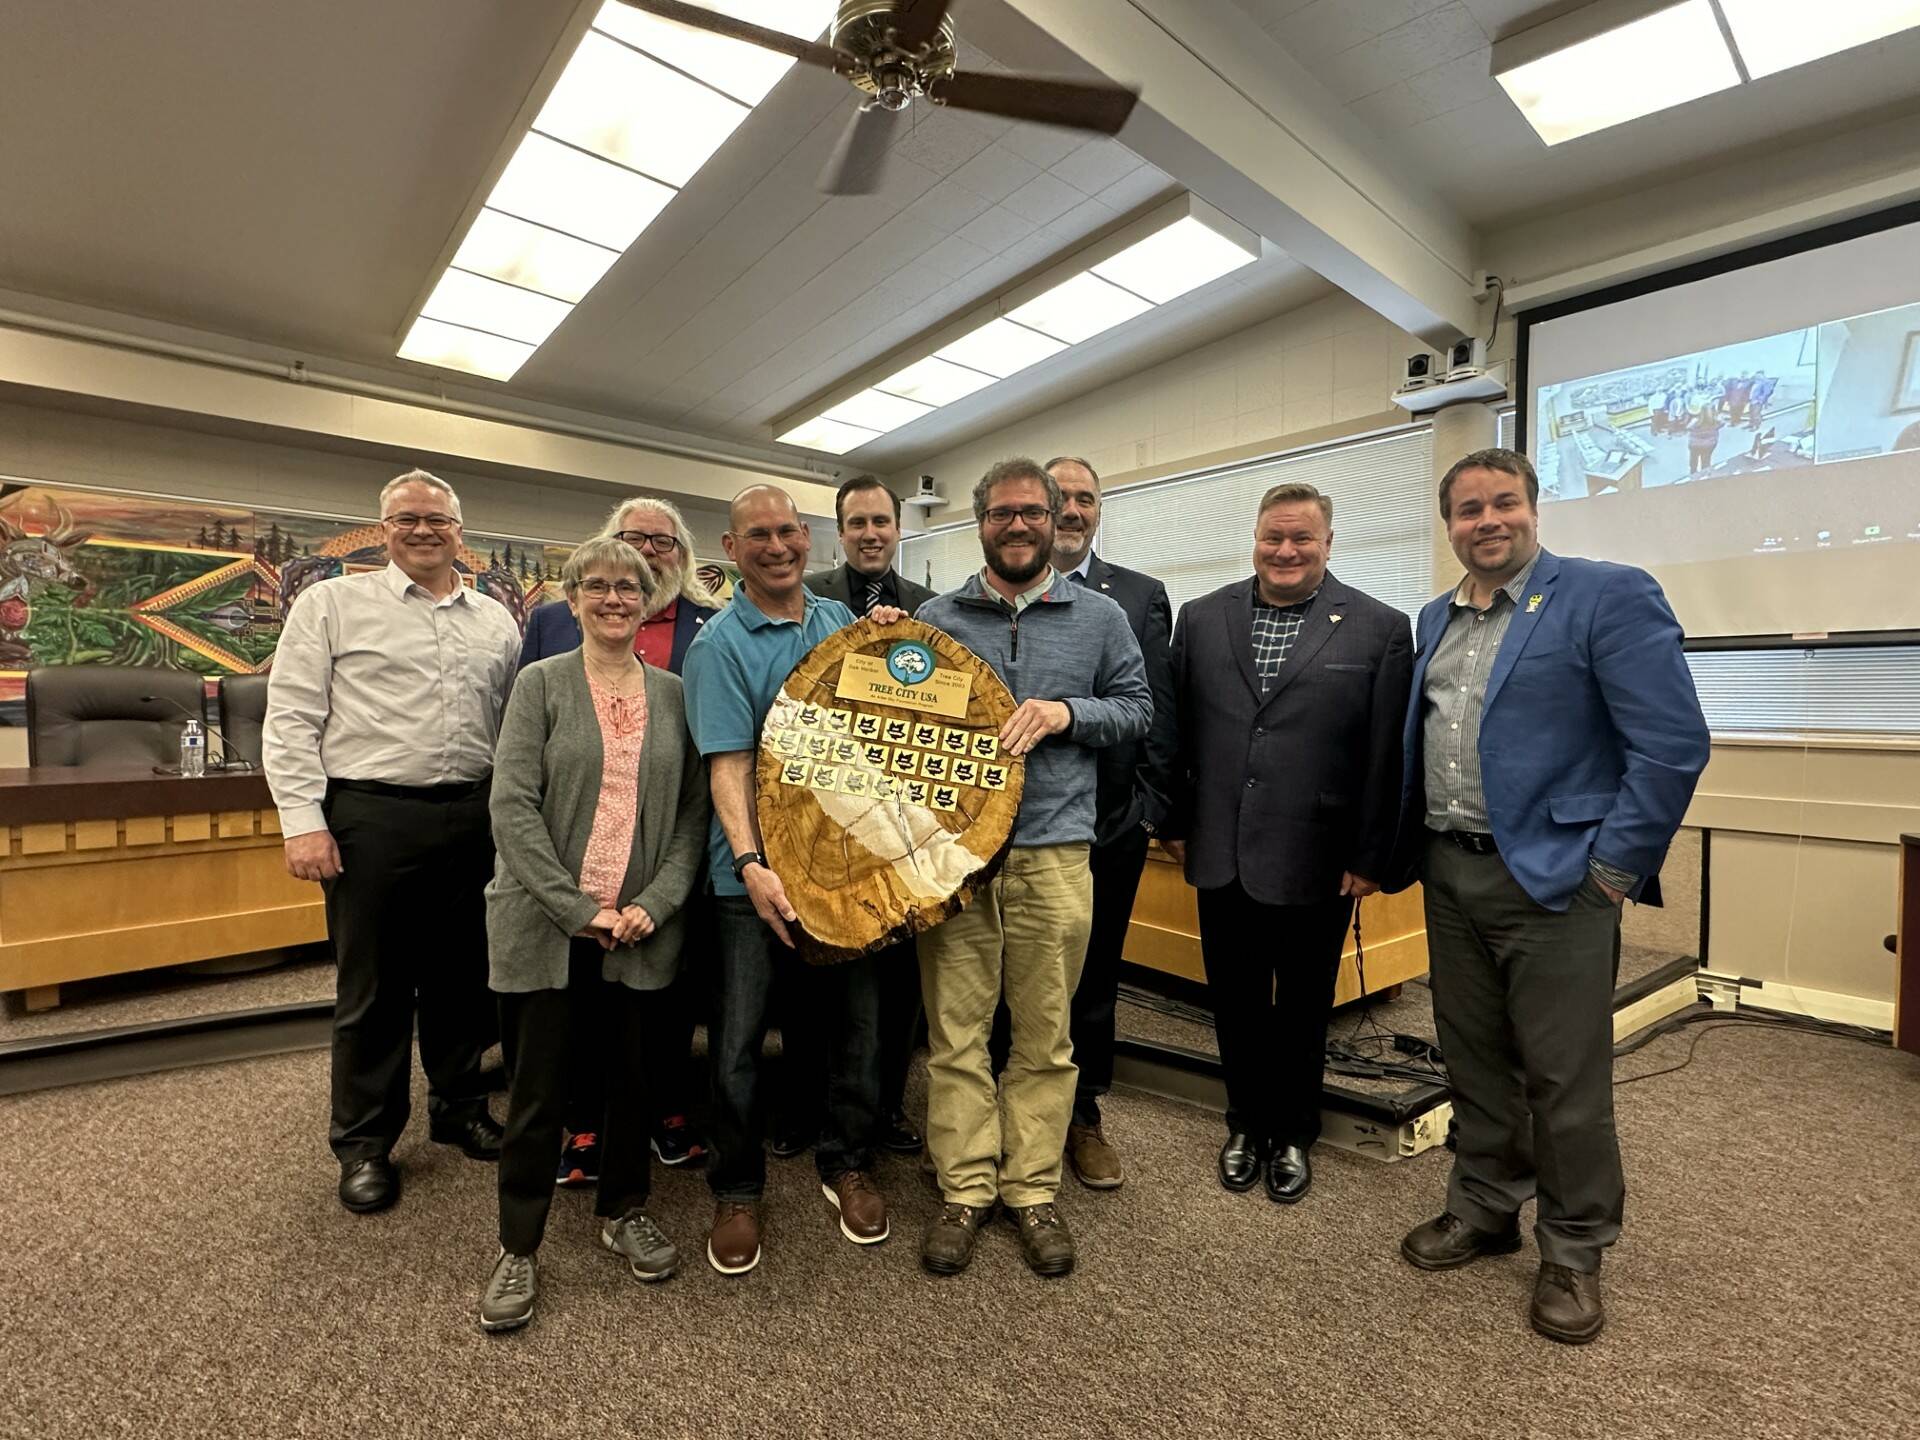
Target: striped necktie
[(873, 597)]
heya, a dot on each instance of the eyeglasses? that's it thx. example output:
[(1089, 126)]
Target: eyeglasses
[(786, 535), (643, 540), (1002, 515), (598, 588), (435, 523)]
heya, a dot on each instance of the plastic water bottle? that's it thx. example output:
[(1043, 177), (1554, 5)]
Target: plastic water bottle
[(193, 749)]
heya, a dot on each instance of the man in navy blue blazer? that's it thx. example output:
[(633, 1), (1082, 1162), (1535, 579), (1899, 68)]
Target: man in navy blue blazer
[(658, 531), (1553, 740)]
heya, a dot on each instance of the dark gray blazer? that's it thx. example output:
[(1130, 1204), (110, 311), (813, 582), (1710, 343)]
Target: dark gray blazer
[(1137, 776), (838, 584), (1286, 791), (546, 787)]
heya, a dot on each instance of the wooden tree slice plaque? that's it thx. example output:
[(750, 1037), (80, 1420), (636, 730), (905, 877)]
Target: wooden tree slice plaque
[(885, 803)]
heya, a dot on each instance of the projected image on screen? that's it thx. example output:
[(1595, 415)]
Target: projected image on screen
[(1749, 433), (1732, 410)]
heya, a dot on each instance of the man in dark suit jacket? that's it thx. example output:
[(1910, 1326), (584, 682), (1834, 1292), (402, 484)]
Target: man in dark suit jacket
[(1553, 741), (867, 515), (658, 531), (1130, 806), (1292, 690)]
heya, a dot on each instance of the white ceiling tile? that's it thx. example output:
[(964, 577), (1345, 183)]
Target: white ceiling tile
[(1078, 223), (1454, 83), (941, 140), (1044, 145), (1136, 189), (995, 172), (1396, 108), (996, 229), (1096, 165), (1043, 198), (953, 257), (947, 206), (1402, 52)]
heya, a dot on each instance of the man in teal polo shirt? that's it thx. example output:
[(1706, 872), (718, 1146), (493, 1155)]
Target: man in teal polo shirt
[(733, 671)]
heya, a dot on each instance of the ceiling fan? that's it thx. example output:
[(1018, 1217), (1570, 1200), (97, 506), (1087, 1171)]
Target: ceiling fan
[(897, 51)]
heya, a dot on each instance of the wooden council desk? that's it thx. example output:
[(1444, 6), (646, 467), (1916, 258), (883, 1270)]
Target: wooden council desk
[(1165, 933), (113, 869)]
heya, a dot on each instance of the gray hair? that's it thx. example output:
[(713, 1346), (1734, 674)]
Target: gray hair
[(604, 553), (691, 587), (419, 477), (1018, 468), (1506, 462), (1074, 460), (1296, 492)]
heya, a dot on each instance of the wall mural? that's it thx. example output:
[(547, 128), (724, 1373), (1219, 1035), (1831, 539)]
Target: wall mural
[(100, 577)]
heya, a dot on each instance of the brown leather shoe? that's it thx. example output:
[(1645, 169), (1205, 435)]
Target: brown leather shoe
[(1566, 1304), (733, 1245), (1044, 1238), (948, 1244), (1447, 1242), (1095, 1161), (863, 1209)]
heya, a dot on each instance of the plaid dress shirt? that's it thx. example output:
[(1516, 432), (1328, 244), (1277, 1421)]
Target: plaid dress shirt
[(1275, 628)]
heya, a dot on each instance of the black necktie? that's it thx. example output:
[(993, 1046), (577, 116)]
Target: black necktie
[(873, 596), (1079, 577)]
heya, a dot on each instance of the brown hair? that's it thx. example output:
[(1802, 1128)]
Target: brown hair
[(1507, 462), (856, 484), (1295, 492)]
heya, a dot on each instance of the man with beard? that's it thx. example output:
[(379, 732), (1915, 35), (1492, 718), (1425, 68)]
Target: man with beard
[(868, 516), (1075, 670), (382, 713)]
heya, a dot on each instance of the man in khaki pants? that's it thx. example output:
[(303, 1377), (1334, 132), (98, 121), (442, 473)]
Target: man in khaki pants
[(1070, 659)]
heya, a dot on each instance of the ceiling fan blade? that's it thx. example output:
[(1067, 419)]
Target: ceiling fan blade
[(701, 18), (1072, 103), (854, 166), (915, 22)]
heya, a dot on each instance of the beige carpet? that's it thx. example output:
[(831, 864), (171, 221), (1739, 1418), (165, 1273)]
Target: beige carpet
[(180, 1268)]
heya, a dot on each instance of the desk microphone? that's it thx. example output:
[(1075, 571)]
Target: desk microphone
[(232, 760)]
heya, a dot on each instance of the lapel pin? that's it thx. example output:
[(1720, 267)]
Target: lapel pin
[(1533, 602), (1334, 618), (1105, 586)]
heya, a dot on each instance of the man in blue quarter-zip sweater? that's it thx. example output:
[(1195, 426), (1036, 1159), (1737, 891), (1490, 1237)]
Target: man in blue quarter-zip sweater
[(1070, 659)]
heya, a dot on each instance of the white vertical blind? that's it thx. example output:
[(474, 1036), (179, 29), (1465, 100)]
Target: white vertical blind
[(1849, 691)]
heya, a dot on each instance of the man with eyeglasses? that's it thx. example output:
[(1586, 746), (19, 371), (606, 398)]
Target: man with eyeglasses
[(734, 671), (655, 528), (1070, 659), (382, 711), (867, 515)]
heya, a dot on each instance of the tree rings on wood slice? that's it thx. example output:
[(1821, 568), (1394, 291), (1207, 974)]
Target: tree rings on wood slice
[(885, 802)]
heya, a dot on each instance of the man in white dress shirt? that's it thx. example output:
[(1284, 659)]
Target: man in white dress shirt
[(384, 704)]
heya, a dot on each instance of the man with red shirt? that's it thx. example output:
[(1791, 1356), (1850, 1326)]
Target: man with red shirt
[(657, 530)]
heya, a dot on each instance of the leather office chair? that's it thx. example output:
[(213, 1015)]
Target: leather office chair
[(84, 715), (243, 710)]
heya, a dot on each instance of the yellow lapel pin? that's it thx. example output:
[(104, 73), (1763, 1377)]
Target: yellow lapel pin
[(1534, 602)]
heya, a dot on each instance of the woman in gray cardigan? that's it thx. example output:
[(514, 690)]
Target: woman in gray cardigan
[(600, 822)]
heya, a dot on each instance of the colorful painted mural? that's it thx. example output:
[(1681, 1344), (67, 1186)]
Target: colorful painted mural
[(100, 577)]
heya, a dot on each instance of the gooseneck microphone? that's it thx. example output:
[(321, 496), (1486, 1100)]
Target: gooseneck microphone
[(231, 760)]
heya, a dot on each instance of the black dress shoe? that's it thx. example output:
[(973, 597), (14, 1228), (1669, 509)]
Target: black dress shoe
[(474, 1131), (791, 1139), (1289, 1174), (1240, 1162), (368, 1185), (897, 1134), (1566, 1304)]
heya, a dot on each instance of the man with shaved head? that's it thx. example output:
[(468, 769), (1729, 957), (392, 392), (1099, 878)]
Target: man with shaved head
[(733, 672)]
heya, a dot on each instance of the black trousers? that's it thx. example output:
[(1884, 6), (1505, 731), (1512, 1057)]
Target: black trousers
[(1523, 1000), (409, 930), (541, 1030), (1271, 971), (804, 1026), (1116, 880), (670, 1016)]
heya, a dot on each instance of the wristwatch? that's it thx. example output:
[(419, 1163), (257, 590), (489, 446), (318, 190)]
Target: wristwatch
[(740, 863)]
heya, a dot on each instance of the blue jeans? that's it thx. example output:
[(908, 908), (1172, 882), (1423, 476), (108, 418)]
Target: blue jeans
[(843, 999)]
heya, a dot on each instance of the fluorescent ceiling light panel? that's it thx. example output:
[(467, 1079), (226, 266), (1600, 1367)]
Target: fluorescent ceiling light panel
[(835, 437), (557, 186), (434, 342), (1001, 347), (1647, 64), (1080, 308), (478, 303), (1775, 35), (531, 256), (746, 72), (875, 410), (636, 112), (1182, 257), (934, 381)]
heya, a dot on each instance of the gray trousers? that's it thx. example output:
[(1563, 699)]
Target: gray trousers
[(1523, 997)]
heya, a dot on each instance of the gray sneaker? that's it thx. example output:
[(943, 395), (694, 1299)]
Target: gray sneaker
[(648, 1252), (511, 1291)]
